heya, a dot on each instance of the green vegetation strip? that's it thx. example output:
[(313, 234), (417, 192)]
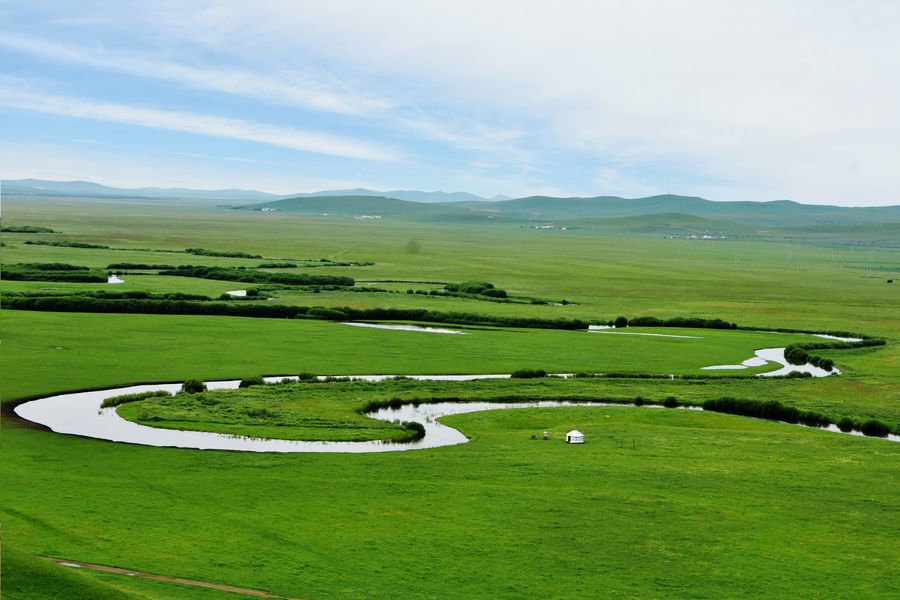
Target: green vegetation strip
[(142, 305), (52, 272), (26, 229), (254, 276)]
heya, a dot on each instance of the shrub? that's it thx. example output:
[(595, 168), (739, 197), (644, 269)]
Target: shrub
[(638, 401), (247, 382), (417, 428), (875, 428), (327, 314), (254, 276), (846, 424), (494, 293), (670, 402), (66, 244), (126, 398), (620, 322), (695, 322), (26, 229), (139, 266), (528, 374), (193, 386), (205, 252), (260, 413)]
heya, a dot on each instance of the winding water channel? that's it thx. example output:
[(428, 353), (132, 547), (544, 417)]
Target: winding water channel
[(81, 413)]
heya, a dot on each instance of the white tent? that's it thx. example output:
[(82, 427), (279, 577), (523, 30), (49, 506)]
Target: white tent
[(574, 437)]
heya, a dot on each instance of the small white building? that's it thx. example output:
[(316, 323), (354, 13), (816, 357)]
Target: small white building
[(574, 437)]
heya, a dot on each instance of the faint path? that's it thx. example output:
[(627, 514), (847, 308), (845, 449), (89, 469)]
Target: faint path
[(178, 580)]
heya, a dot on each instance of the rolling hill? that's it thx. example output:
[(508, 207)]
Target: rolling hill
[(358, 206)]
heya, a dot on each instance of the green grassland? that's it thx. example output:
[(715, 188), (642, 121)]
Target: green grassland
[(657, 503)]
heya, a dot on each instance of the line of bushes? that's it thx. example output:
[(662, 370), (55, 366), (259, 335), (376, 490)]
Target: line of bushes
[(26, 229), (395, 403), (67, 244), (796, 354), (693, 322), (140, 266), (52, 272), (225, 254), (776, 411), (109, 295), (87, 303), (126, 398), (766, 409), (310, 264), (429, 316), (528, 374), (254, 276)]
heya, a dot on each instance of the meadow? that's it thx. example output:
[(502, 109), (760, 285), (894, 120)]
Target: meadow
[(658, 503)]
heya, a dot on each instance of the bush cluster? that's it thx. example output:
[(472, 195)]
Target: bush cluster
[(694, 322), (66, 244), (254, 276), (766, 409), (528, 374), (205, 252), (248, 381), (51, 272), (126, 398), (193, 386), (25, 229), (139, 266), (201, 305), (474, 288)]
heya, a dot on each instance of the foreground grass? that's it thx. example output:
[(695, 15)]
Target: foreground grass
[(656, 503)]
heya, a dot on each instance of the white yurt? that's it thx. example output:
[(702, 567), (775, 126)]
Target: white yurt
[(574, 437)]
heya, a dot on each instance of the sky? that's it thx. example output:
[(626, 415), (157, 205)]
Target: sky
[(729, 100)]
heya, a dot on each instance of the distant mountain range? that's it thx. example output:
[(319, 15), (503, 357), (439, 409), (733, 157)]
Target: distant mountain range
[(545, 209), (465, 207), (87, 189)]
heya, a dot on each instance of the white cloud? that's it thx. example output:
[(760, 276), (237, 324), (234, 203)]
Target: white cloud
[(293, 88), (294, 139), (775, 97), (756, 100)]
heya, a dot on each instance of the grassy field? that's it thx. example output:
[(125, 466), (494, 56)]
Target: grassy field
[(655, 504)]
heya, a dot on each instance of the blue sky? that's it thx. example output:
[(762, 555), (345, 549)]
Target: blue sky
[(728, 100)]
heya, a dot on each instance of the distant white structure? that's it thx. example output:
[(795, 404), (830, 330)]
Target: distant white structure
[(574, 437)]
